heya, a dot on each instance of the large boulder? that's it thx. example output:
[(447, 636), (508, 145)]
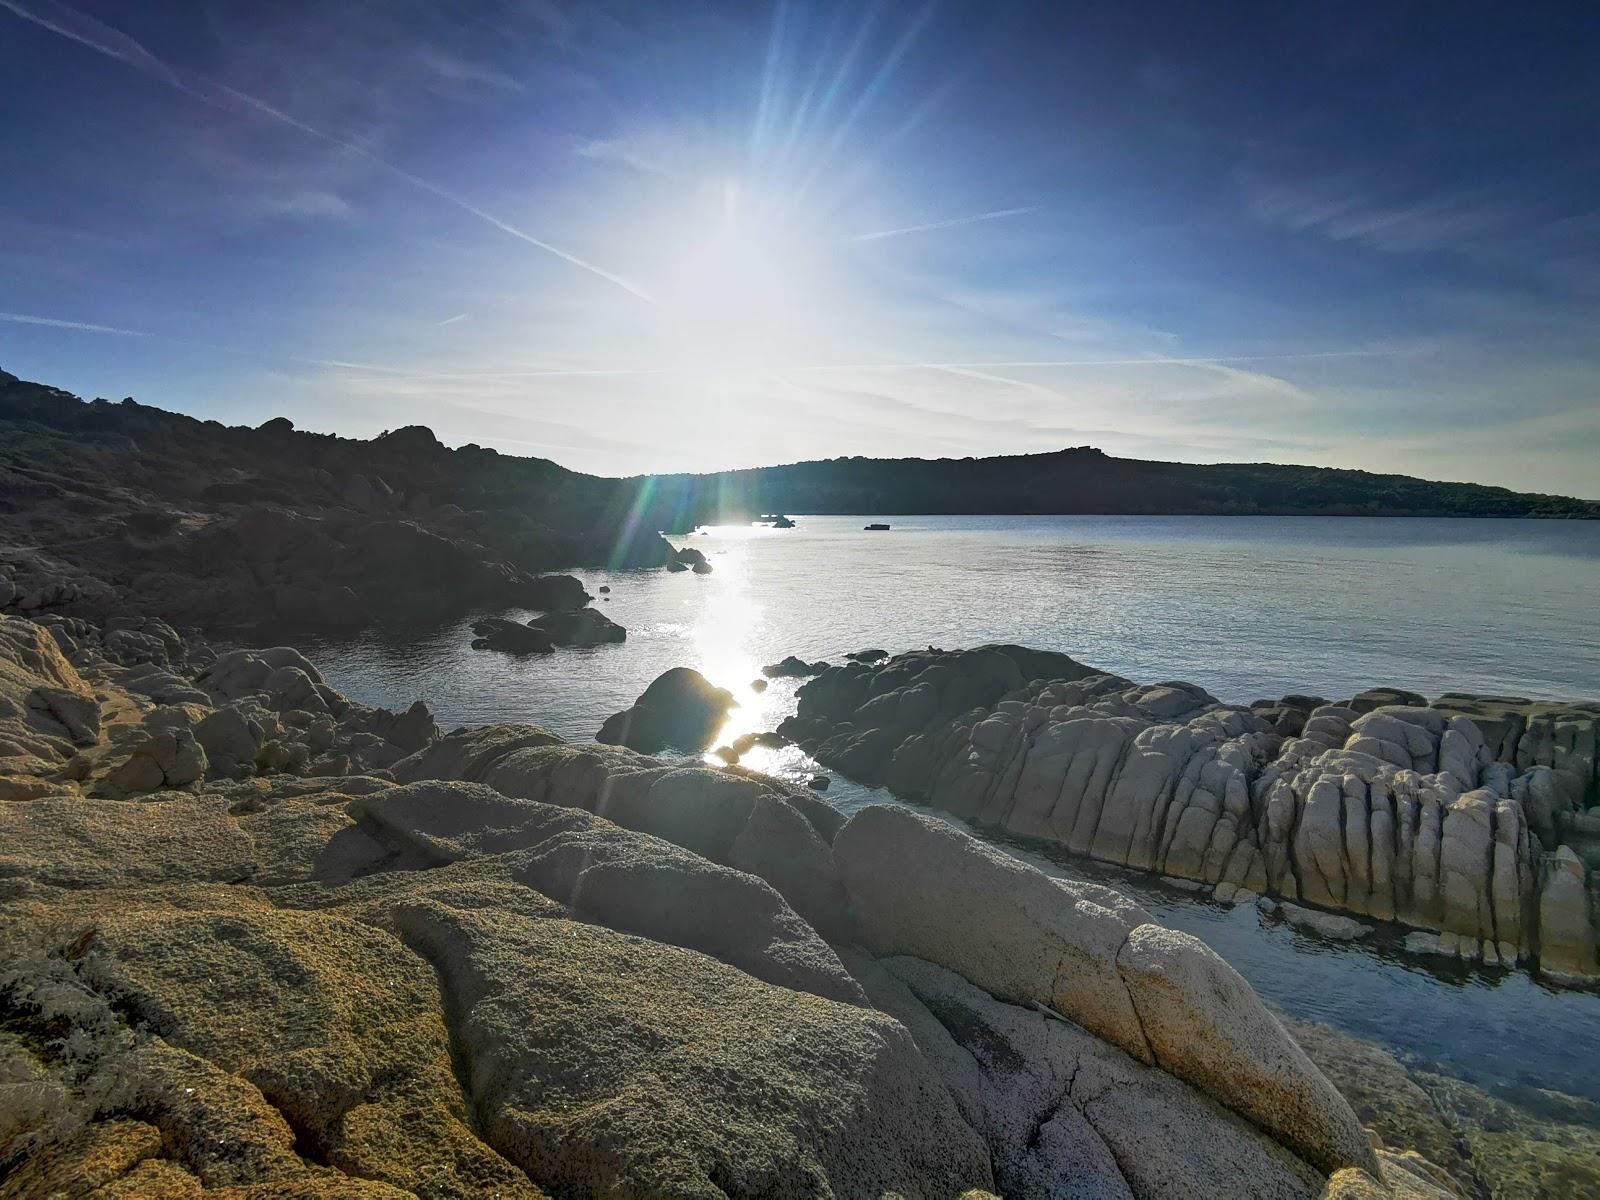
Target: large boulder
[(918, 887), (624, 1066), (1066, 1114), (680, 708)]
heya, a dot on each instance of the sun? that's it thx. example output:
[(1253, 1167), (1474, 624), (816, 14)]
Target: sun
[(735, 285)]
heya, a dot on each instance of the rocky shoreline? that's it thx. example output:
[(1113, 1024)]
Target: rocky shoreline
[(261, 940), (1469, 820)]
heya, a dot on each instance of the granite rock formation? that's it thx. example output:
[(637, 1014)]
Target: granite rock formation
[(1464, 819), (313, 949)]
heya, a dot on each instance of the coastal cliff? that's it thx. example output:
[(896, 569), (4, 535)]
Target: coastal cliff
[(1463, 819), (261, 940)]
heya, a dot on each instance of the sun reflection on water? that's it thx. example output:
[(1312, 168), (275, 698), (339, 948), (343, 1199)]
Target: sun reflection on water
[(724, 637)]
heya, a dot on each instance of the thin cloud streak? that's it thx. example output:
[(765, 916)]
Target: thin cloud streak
[(69, 23), (951, 223), (454, 319), (81, 326), (830, 368)]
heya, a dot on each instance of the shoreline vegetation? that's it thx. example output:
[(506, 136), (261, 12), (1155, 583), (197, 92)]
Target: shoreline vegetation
[(261, 939)]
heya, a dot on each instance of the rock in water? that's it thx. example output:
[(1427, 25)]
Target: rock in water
[(793, 668), (691, 559), (680, 708), (558, 593), (585, 627), (497, 633)]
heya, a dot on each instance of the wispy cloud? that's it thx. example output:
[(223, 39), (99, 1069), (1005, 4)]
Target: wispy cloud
[(454, 319), (81, 326), (69, 22), (974, 368), (309, 204), (459, 72), (1345, 210), (951, 223)]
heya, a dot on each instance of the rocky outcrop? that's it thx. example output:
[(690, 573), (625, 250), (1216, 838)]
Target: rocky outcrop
[(1382, 807), (792, 667), (680, 708), (109, 506), (580, 627), (687, 558), (513, 637), (500, 964)]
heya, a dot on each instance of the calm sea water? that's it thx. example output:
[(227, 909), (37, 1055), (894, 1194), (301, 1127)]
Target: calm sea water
[(1247, 607)]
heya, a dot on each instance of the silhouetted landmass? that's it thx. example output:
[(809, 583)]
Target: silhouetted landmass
[(227, 526), (1086, 480)]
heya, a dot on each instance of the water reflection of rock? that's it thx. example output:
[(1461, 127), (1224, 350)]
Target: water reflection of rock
[(1536, 1144)]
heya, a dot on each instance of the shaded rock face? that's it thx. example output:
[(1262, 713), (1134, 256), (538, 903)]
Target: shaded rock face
[(1384, 807), (505, 965), (793, 668), (275, 528), (513, 637), (680, 708), (557, 593), (583, 627)]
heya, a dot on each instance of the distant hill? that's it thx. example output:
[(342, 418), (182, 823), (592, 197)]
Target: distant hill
[(1086, 480)]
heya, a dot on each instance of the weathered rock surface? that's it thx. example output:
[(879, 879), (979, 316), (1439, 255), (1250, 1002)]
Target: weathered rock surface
[(499, 964), (921, 888), (1383, 807)]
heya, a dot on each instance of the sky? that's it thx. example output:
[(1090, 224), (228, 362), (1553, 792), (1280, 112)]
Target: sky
[(689, 236)]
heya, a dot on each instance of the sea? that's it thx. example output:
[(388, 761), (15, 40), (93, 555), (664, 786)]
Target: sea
[(1246, 607)]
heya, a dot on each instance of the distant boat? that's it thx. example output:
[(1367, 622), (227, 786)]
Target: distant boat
[(875, 526)]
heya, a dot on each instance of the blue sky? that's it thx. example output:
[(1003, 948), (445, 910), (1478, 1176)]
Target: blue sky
[(688, 236)]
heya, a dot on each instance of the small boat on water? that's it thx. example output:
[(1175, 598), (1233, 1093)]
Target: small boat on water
[(875, 526)]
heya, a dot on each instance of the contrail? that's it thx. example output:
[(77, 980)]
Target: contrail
[(996, 215), (85, 30), (70, 23), (454, 319), (82, 326)]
